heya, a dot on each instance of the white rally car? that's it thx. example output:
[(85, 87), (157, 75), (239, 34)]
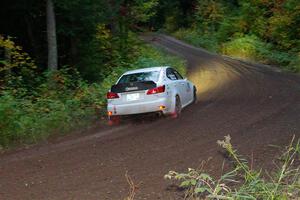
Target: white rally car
[(157, 89)]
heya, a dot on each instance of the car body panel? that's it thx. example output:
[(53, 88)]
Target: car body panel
[(136, 102)]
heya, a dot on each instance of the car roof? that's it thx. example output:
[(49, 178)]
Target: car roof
[(148, 69)]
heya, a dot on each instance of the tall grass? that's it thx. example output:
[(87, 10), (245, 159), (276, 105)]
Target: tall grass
[(244, 182)]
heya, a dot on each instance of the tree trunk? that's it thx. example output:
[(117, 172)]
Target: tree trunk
[(51, 36)]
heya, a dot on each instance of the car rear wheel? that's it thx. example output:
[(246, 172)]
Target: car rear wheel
[(178, 107)]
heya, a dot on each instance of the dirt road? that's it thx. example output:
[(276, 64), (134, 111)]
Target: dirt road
[(256, 105)]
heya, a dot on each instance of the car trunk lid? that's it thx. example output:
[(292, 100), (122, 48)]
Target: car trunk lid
[(133, 86), (132, 92)]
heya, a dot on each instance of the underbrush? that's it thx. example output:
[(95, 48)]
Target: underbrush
[(251, 48), (34, 105), (244, 182), (54, 107), (207, 41), (247, 47)]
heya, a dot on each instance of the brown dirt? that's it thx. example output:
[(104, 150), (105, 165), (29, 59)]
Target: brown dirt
[(256, 105)]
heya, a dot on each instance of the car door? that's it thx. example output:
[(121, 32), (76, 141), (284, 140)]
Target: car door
[(172, 80), (177, 84), (184, 87)]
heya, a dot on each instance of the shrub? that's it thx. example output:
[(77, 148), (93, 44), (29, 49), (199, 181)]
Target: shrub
[(207, 41), (295, 63), (55, 109), (250, 47), (17, 69), (247, 47)]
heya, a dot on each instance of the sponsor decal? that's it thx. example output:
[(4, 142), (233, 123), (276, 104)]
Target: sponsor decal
[(131, 88)]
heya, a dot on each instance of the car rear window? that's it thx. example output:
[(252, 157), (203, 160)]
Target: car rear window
[(139, 77)]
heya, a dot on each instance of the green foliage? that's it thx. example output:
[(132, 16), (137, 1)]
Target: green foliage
[(274, 21), (60, 101), (197, 183), (99, 55), (14, 56), (209, 14), (170, 25), (295, 63), (248, 47), (16, 67), (198, 39), (172, 15), (143, 10), (243, 182), (262, 31), (59, 104)]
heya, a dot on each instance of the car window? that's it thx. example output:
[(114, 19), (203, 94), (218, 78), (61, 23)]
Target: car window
[(170, 74), (177, 74), (139, 77)]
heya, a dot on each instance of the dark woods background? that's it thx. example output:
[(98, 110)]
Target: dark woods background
[(79, 21)]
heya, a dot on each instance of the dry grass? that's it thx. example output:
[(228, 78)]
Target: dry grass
[(132, 187)]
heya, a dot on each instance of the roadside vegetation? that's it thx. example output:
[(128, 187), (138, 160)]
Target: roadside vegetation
[(244, 182), (58, 62), (260, 31), (35, 105)]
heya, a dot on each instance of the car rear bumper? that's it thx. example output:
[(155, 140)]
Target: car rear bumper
[(139, 107)]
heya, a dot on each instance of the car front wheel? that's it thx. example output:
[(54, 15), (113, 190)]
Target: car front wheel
[(194, 95), (178, 107)]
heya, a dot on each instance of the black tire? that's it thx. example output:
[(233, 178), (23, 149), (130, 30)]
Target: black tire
[(194, 95), (178, 107)]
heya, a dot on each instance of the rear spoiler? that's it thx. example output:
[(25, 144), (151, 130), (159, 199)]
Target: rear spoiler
[(133, 86)]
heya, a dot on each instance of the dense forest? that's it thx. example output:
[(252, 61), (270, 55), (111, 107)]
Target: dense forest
[(58, 57), (266, 31)]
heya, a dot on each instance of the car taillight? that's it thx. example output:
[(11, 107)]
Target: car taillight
[(112, 95), (157, 90)]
